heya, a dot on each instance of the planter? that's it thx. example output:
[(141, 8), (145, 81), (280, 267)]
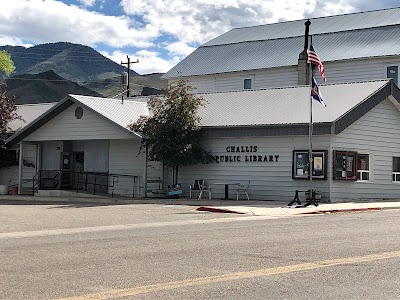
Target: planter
[(14, 190), (317, 195), (3, 189)]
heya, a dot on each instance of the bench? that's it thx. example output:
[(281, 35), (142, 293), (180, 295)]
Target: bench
[(156, 192)]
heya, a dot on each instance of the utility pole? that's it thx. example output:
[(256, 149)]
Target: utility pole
[(128, 67)]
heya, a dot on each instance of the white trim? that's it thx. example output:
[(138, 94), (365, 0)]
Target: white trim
[(370, 167)]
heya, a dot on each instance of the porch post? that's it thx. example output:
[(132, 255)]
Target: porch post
[(21, 169), (145, 172), (38, 157)]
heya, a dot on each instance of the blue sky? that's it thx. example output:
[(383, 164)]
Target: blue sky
[(159, 33)]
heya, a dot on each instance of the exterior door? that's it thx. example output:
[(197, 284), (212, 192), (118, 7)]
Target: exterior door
[(67, 170)]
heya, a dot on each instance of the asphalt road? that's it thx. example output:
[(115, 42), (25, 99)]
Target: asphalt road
[(173, 252)]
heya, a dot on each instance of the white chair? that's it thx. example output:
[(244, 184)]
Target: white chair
[(243, 188), (200, 187)]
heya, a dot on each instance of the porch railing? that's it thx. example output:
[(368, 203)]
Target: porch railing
[(88, 182)]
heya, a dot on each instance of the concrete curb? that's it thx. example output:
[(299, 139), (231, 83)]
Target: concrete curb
[(218, 210), (335, 211)]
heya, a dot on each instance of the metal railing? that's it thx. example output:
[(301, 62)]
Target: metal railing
[(46, 180), (89, 182)]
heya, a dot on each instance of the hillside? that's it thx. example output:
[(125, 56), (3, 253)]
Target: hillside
[(43, 87), (143, 85), (48, 72), (71, 61)]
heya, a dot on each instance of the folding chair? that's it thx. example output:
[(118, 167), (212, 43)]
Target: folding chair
[(199, 186), (243, 188)]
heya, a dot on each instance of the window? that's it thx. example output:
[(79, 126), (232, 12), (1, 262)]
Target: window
[(344, 165), (9, 158), (247, 84), (396, 169), (363, 167), (300, 164), (393, 73)]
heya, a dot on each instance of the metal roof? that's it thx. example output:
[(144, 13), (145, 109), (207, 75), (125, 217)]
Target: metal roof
[(373, 42), (284, 106), (278, 111), (29, 112), (120, 112), (350, 36), (329, 24), (114, 110)]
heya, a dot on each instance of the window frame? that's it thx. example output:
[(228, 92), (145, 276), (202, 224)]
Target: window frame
[(244, 83), (346, 153), (393, 172), (387, 70), (315, 153), (369, 171)]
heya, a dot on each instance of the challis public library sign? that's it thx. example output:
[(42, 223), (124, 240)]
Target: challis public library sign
[(245, 154)]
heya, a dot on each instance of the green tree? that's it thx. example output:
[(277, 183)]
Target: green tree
[(8, 109), (6, 63), (172, 133)]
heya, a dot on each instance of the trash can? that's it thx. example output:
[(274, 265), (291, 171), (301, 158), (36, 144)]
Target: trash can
[(14, 190), (3, 189)]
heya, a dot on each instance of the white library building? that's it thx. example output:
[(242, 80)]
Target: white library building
[(255, 123)]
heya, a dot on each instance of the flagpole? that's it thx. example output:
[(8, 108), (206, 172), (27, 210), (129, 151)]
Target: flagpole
[(310, 131)]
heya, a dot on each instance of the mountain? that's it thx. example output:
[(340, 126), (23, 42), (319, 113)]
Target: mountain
[(143, 85), (48, 72), (71, 61), (43, 87)]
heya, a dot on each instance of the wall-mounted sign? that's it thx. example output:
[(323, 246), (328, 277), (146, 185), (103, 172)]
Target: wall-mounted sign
[(245, 154)]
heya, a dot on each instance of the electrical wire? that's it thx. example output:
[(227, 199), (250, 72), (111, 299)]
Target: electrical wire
[(83, 82)]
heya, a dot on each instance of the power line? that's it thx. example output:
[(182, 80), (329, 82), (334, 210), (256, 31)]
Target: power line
[(86, 81)]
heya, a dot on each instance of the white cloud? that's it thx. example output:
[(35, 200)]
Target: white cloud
[(87, 3), (149, 61), (198, 21), (180, 49), (175, 25), (61, 22), (13, 41)]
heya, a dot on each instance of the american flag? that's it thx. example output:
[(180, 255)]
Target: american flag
[(313, 58)]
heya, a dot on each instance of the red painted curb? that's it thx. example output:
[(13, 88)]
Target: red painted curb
[(333, 211), (217, 210)]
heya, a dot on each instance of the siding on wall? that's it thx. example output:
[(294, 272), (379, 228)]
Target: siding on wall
[(358, 69), (337, 71), (66, 127), (125, 159), (378, 134), (51, 153), (268, 180), (262, 79), (96, 156)]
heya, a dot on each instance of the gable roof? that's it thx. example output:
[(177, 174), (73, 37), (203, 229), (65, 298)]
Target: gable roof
[(328, 24), (277, 111), (351, 36), (114, 110), (29, 112), (286, 111)]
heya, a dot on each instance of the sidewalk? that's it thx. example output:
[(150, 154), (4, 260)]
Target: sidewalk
[(322, 208), (255, 208)]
